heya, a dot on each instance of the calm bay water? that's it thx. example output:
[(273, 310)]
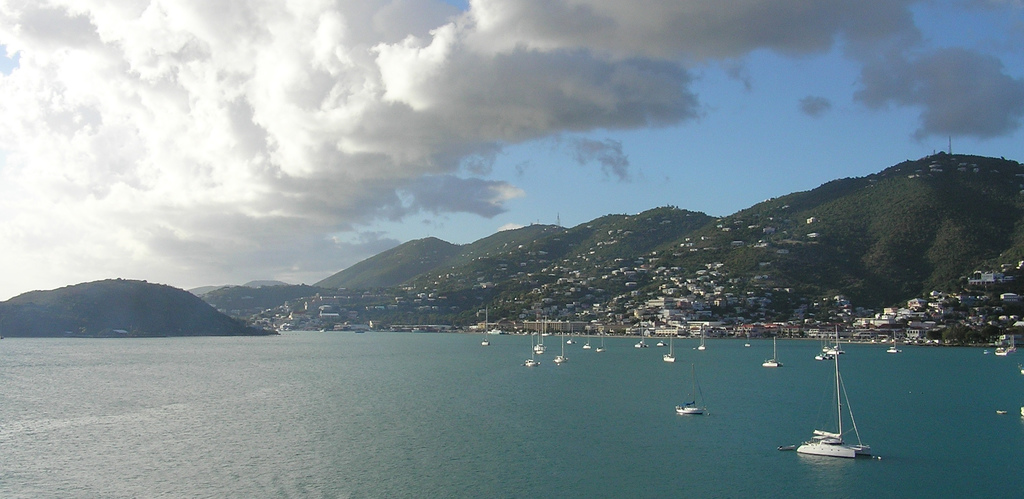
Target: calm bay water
[(438, 415)]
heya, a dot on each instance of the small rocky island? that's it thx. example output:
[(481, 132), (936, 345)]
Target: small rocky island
[(116, 308)]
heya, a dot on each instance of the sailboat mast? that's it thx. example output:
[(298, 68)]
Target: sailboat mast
[(839, 394), (693, 378)]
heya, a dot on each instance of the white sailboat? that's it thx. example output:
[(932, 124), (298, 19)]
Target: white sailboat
[(830, 350), (892, 348), (701, 347), (670, 356), (601, 348), (539, 347), (532, 362), (586, 346), (641, 343), (691, 407), (1004, 351), (774, 361), (485, 341), (561, 358), (831, 444)]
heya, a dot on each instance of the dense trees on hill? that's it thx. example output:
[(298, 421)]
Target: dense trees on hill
[(114, 308), (879, 240)]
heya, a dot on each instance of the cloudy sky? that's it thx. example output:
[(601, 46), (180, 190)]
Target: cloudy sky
[(200, 142)]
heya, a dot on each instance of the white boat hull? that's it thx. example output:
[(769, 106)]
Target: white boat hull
[(668, 358), (685, 411), (834, 449)]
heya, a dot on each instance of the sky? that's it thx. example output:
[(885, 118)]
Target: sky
[(211, 142)]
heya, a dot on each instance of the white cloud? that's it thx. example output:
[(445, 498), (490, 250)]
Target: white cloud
[(510, 226), (232, 140)]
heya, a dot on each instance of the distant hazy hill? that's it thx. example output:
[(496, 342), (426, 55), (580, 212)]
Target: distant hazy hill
[(114, 308), (264, 284), (202, 290), (244, 300)]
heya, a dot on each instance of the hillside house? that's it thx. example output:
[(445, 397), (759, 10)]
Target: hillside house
[(917, 304)]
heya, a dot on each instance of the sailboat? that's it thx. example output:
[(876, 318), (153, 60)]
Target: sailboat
[(833, 349), (601, 348), (692, 407), (1004, 351), (669, 357), (641, 343), (831, 444), (561, 358), (892, 348), (532, 362), (485, 342), (774, 361), (586, 346), (701, 347), (539, 347)]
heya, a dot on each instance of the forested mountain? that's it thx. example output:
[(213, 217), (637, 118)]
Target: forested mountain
[(912, 228), (115, 308), (875, 241)]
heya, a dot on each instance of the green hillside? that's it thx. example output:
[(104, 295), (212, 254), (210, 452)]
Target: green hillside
[(394, 266), (913, 228), (115, 308), (245, 300), (877, 241)]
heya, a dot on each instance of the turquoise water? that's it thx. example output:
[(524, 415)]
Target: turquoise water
[(438, 415)]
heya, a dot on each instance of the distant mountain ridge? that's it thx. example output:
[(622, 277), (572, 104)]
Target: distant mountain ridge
[(115, 308), (202, 290), (917, 226), (875, 241), (407, 261)]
